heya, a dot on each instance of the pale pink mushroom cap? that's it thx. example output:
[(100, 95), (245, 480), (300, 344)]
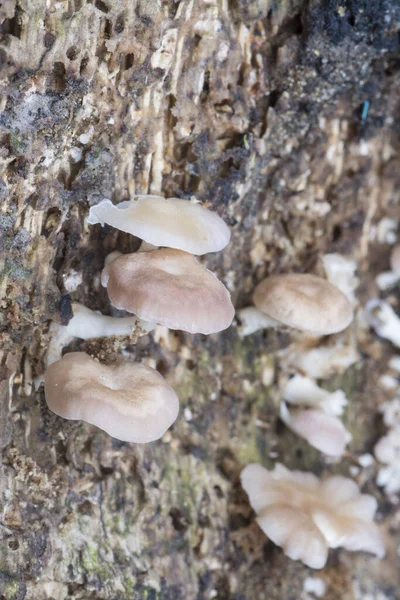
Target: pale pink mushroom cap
[(306, 516), (305, 302), (170, 222), (171, 288), (131, 402)]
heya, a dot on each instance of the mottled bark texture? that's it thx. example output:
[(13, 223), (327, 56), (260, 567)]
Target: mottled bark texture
[(258, 107)]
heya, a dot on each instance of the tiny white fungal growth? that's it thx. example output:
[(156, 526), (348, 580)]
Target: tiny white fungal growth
[(171, 222), (325, 361), (163, 57), (315, 586), (340, 271), (304, 391), (391, 412), (382, 318), (322, 431), (252, 320), (387, 451), (318, 423), (87, 324), (394, 363), (306, 516), (386, 279), (72, 280)]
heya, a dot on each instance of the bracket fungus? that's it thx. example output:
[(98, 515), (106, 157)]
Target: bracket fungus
[(171, 288), (131, 402), (315, 417), (306, 516), (172, 222), (304, 302)]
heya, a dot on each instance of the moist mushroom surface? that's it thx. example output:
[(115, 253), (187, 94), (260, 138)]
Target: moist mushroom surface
[(171, 288), (304, 302), (129, 401), (171, 222)]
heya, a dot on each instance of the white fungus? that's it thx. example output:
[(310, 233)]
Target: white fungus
[(340, 271), (171, 222), (131, 402), (382, 318), (317, 420), (387, 451), (87, 324), (306, 516)]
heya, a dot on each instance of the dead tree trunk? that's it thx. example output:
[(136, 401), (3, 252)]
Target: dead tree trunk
[(284, 116)]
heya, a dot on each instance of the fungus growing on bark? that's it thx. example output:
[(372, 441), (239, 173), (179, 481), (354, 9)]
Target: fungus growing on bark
[(305, 302), (131, 402), (317, 420), (382, 318), (340, 271), (387, 452), (171, 222), (87, 324), (306, 516), (169, 287), (388, 278)]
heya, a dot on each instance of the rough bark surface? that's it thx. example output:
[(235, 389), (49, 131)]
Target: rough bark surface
[(257, 107)]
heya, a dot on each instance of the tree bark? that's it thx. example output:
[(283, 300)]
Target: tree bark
[(284, 117)]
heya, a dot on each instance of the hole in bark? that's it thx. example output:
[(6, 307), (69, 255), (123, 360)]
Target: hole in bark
[(107, 29), (57, 79), (12, 26), (72, 53), (102, 6), (84, 64), (336, 233), (119, 24), (273, 98), (162, 367), (48, 40), (179, 520), (127, 62), (13, 545)]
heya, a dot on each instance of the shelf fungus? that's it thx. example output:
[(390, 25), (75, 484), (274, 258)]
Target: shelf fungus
[(306, 516), (131, 402), (301, 301), (171, 288), (171, 222), (315, 415)]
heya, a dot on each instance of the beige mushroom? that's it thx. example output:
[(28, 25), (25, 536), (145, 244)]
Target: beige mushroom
[(171, 222), (306, 516), (131, 402), (305, 302), (169, 287)]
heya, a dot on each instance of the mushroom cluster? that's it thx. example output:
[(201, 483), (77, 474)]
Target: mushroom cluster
[(166, 286), (316, 415), (306, 516)]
